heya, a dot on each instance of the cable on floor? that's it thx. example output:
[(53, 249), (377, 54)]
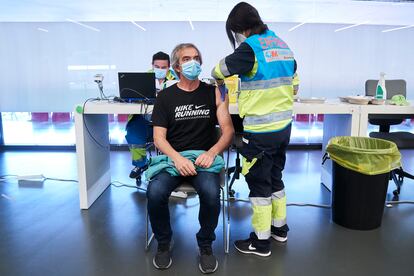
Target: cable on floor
[(288, 204), (59, 179), (113, 183), (7, 176), (388, 204)]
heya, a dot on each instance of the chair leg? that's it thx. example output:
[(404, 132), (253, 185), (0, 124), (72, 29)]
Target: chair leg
[(384, 128), (224, 221), (236, 170), (230, 190), (225, 202), (398, 177), (148, 238), (228, 224), (403, 174)]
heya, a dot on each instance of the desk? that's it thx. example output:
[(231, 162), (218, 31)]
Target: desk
[(93, 156)]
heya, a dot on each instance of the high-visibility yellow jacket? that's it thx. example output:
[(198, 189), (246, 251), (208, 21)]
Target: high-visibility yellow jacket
[(266, 93)]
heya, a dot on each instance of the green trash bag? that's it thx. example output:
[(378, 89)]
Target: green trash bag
[(365, 155)]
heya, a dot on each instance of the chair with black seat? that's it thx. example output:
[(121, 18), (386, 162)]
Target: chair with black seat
[(188, 188), (402, 139)]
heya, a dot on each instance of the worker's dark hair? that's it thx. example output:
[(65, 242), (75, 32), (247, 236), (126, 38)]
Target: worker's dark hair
[(244, 17), (161, 56)]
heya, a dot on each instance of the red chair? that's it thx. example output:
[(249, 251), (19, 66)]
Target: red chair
[(60, 117), (302, 118), (39, 116), (319, 117), (122, 117)]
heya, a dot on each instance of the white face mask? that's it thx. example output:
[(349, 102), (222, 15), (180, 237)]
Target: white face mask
[(238, 38)]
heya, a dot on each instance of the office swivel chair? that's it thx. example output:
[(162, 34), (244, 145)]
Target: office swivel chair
[(402, 139)]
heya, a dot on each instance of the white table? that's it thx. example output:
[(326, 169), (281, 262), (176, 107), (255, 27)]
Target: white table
[(93, 157)]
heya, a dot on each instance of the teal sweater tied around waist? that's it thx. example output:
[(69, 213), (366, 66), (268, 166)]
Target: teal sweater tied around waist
[(162, 163)]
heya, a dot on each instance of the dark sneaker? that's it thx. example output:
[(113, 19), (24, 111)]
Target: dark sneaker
[(246, 247), (280, 233), (208, 262), (162, 260), (137, 171)]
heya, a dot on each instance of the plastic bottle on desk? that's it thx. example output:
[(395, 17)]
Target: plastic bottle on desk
[(381, 92)]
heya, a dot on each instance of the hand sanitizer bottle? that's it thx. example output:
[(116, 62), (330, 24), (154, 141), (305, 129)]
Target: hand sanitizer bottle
[(381, 92)]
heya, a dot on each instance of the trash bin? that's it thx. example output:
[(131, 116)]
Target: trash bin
[(360, 176)]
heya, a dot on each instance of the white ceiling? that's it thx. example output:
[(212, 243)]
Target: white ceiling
[(399, 13)]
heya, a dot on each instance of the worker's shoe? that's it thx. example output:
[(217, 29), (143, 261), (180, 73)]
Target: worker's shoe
[(247, 247), (280, 233), (163, 260), (208, 262), (137, 172)]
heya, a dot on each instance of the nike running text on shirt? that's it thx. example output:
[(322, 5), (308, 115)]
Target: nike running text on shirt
[(191, 111)]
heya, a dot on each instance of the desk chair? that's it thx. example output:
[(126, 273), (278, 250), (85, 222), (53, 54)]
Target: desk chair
[(188, 188), (402, 139)]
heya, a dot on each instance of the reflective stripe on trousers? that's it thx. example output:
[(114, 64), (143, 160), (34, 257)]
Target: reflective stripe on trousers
[(138, 155), (262, 215), (279, 208)]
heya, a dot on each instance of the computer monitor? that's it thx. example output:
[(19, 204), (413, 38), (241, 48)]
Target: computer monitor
[(136, 86)]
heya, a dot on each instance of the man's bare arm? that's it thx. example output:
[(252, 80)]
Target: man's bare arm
[(227, 131)]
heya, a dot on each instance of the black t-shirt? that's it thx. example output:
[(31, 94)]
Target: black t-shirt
[(189, 117)]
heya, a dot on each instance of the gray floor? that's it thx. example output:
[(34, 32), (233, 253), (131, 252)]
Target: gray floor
[(43, 232)]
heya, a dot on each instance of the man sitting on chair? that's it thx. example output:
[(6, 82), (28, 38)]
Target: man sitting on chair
[(184, 118)]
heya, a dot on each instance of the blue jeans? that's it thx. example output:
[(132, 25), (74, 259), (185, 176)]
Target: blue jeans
[(159, 190)]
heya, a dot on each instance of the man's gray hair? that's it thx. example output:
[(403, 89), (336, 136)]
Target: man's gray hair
[(175, 54)]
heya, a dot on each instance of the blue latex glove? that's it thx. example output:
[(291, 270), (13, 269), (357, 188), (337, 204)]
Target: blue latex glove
[(223, 91)]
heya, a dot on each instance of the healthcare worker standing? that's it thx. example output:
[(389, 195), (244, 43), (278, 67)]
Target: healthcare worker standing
[(266, 67)]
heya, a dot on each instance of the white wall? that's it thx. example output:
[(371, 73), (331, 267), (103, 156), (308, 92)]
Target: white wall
[(34, 73)]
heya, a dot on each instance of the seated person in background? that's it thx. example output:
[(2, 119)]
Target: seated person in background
[(164, 75), (137, 130), (184, 118)]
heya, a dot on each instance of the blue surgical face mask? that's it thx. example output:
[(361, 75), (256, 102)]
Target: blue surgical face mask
[(191, 69), (160, 73)]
